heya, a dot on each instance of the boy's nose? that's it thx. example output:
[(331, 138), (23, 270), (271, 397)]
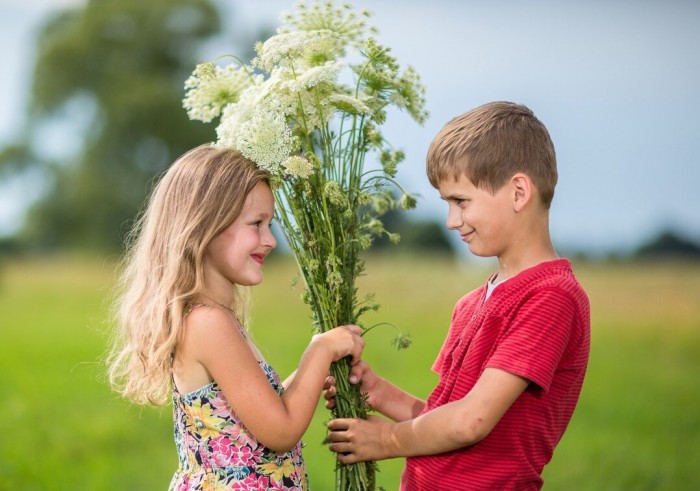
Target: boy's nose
[(454, 218)]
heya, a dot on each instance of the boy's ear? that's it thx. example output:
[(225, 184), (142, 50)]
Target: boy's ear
[(522, 190)]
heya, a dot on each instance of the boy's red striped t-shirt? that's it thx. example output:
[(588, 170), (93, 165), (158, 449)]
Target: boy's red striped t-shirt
[(535, 325)]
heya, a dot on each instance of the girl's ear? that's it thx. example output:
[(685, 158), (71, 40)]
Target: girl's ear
[(522, 190)]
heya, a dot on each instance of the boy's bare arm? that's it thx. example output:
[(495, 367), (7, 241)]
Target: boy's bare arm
[(449, 427), (396, 403)]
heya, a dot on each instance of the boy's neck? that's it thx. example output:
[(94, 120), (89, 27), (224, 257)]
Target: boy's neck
[(526, 253), (513, 268)]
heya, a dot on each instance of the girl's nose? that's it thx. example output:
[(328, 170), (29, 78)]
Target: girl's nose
[(268, 239)]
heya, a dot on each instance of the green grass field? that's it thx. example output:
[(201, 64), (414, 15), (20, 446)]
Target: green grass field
[(637, 426)]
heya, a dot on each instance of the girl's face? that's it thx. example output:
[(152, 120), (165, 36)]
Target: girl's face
[(236, 255)]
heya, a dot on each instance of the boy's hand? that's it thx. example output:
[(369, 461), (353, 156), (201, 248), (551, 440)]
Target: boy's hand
[(358, 440), (362, 374), (329, 391)]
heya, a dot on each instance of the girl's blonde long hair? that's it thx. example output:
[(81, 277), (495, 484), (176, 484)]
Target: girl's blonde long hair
[(200, 195)]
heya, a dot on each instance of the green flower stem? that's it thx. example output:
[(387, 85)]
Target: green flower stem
[(329, 308), (350, 404)]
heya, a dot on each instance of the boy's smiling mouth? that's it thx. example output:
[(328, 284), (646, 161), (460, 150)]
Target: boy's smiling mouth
[(467, 235)]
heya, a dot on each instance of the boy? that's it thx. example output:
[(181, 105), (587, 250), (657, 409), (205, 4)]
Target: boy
[(514, 360)]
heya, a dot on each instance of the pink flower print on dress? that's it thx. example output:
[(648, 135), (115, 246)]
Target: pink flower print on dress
[(251, 482), (221, 444), (243, 456), (217, 452), (220, 406), (222, 451), (240, 435), (256, 454), (281, 487)]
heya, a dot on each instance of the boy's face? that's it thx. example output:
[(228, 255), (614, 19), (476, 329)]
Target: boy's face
[(483, 220)]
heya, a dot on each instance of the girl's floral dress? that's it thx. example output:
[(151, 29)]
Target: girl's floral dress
[(217, 452)]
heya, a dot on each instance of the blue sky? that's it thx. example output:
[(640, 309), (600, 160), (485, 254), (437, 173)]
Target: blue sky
[(617, 83)]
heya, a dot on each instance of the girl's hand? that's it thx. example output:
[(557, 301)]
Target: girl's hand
[(341, 342)]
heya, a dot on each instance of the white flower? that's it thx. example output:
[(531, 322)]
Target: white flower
[(234, 115), (298, 48), (210, 88), (349, 104), (306, 108), (266, 140), (228, 127), (318, 75), (298, 166), (349, 27)]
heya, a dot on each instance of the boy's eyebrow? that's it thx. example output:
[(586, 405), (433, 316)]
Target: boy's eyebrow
[(452, 196)]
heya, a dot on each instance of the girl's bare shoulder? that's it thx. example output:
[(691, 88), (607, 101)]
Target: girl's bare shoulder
[(207, 320)]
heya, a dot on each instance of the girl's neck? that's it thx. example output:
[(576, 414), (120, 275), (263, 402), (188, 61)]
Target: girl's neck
[(212, 299)]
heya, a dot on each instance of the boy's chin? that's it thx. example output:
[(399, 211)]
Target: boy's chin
[(479, 252)]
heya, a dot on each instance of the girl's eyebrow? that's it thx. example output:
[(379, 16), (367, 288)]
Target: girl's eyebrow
[(262, 214)]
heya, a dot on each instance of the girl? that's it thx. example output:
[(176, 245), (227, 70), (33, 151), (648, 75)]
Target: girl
[(206, 231)]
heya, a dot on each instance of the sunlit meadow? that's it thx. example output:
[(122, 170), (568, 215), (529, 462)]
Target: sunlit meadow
[(636, 427)]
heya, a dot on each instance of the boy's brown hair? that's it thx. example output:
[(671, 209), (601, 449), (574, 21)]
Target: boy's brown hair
[(491, 143)]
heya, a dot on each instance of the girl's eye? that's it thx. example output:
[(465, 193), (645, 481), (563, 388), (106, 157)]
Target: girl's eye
[(261, 223)]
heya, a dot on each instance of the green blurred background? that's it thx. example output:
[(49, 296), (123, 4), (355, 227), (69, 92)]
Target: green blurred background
[(103, 117), (636, 426)]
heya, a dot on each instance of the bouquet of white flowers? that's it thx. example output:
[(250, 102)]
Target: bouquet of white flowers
[(311, 120)]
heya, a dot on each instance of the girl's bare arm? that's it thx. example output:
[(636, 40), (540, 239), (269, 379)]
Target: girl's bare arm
[(214, 341)]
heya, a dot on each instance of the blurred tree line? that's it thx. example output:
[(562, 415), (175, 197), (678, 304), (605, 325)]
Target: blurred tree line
[(119, 66), (108, 80), (669, 244)]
